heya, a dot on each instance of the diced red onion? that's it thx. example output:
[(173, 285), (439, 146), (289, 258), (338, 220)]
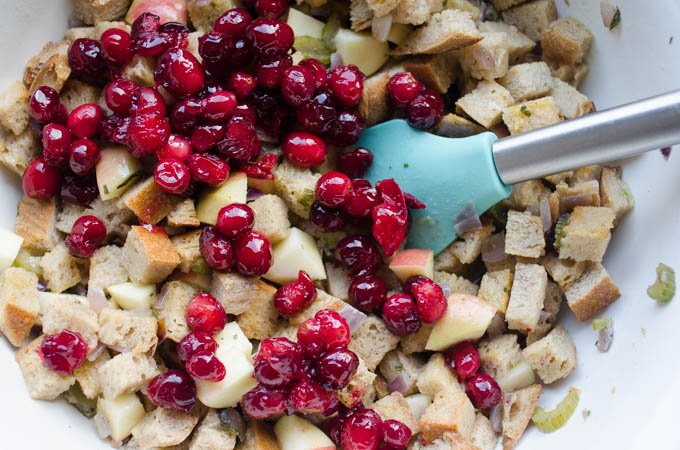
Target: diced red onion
[(572, 201), (484, 58), (97, 299), (604, 341), (101, 426), (467, 220), (94, 354), (253, 194), (336, 60), (496, 417), (482, 13), (42, 287), (546, 217), (399, 384), (607, 11), (493, 249), (380, 27), (160, 300), (543, 317), (352, 316), (497, 326)]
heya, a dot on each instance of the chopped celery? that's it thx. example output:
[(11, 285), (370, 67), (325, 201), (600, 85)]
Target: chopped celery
[(601, 322), (549, 421), (27, 261), (559, 230), (313, 48), (200, 265), (86, 406), (330, 30), (664, 288)]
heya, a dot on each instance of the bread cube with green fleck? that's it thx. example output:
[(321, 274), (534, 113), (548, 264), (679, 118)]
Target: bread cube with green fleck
[(14, 112), (592, 293), (450, 29), (19, 306), (526, 297), (436, 378), (518, 408), (212, 434), (531, 115), (164, 428), (566, 41), (488, 59), (615, 193), (453, 412), (395, 407), (524, 235), (296, 186), (495, 288), (127, 331), (485, 104), (42, 383), (271, 217), (126, 373), (552, 357), (528, 81), (532, 18), (17, 151), (372, 341), (586, 235)]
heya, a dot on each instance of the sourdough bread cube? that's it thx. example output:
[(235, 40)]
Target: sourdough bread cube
[(508, 262), (296, 185), (450, 29), (566, 41), (322, 301), (586, 173), (126, 331), (35, 63), (475, 59), (572, 74), (565, 272), (140, 70), (71, 314), (183, 214), (36, 224), (414, 12), (396, 364), (41, 382), (592, 292), (470, 247), (528, 194), (261, 319), (17, 151), (359, 386), (524, 235), (203, 14), (519, 44), (149, 255), (615, 193), (452, 412), (211, 434), (380, 386), (395, 407), (584, 193), (271, 217), (437, 72), (570, 102), (532, 18), (485, 104), (339, 280), (453, 125), (499, 354), (149, 202), (437, 379), (528, 81), (87, 377), (14, 112), (19, 306), (107, 267), (372, 341), (59, 269), (236, 292), (126, 373), (163, 428), (531, 115), (173, 314), (446, 261), (587, 234), (53, 73), (374, 104), (551, 305), (483, 435), (382, 7), (560, 177), (526, 297), (187, 248), (502, 5), (416, 342), (552, 357), (455, 284), (115, 217), (92, 11), (360, 15), (259, 436), (76, 93), (518, 407), (495, 288)]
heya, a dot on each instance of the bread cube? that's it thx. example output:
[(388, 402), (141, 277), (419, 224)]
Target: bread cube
[(499, 354), (140, 70), (59, 269), (149, 255), (526, 297), (259, 436), (126, 373), (455, 284), (211, 434), (615, 193), (528, 194), (565, 272), (360, 384), (322, 301), (107, 267), (518, 408), (236, 292), (374, 104), (163, 428), (173, 314), (485, 104), (552, 357), (76, 93), (587, 234), (532, 18), (14, 112), (35, 63), (502, 5), (528, 81), (437, 72), (116, 217), (16, 152), (437, 379), (470, 247), (584, 193), (414, 12), (570, 102), (566, 41), (36, 224), (92, 11), (183, 214), (396, 364), (360, 15), (455, 126), (53, 73), (476, 60), (572, 74), (71, 314), (203, 14), (448, 30), (271, 217), (446, 261), (551, 305), (42, 383), (531, 115), (495, 288), (339, 280), (416, 342), (524, 235), (87, 377), (372, 341), (382, 7), (395, 407), (519, 44), (148, 201), (296, 186), (483, 435), (261, 319), (19, 306), (592, 292), (452, 412), (187, 248), (126, 331)]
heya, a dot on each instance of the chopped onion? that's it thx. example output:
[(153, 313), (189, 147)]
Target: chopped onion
[(253, 194), (232, 421), (42, 287), (572, 201), (496, 417), (467, 220), (543, 317), (380, 27), (160, 300), (549, 421), (94, 354), (399, 384), (611, 15), (484, 58), (101, 426), (352, 316), (336, 60), (493, 249), (482, 13), (97, 299), (546, 217), (604, 340)]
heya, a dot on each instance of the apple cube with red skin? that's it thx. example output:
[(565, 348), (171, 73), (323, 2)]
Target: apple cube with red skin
[(467, 318), (414, 261), (167, 10), (295, 433)]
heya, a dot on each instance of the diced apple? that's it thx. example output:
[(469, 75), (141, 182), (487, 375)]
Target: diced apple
[(418, 404), (304, 25), (467, 318), (411, 262), (26, 260), (233, 190), (295, 253), (233, 336), (520, 376), (362, 50), (398, 33), (11, 244), (122, 413), (167, 10), (116, 171), (266, 186), (295, 433), (132, 295)]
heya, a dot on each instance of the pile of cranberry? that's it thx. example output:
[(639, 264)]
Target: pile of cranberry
[(463, 360), (362, 428)]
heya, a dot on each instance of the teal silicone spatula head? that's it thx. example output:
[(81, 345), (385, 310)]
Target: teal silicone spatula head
[(448, 175)]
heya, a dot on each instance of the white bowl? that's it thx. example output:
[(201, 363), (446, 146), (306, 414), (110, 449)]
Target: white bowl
[(632, 391)]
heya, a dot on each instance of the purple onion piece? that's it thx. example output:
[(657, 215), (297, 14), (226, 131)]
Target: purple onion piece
[(666, 153), (467, 220), (399, 384), (160, 300), (94, 354), (336, 60), (496, 417), (253, 194), (546, 217), (352, 316), (493, 249), (380, 27), (97, 299), (604, 341), (572, 201)]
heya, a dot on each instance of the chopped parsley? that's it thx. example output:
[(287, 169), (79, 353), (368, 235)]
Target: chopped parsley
[(399, 369), (616, 20), (405, 165), (525, 111), (307, 197), (106, 189), (444, 2), (505, 289)]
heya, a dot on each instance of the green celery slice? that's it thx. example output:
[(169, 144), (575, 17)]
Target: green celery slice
[(330, 30), (601, 322), (549, 421), (313, 48), (663, 289)]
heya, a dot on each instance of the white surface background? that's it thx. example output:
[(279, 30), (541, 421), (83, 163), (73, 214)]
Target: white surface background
[(632, 391)]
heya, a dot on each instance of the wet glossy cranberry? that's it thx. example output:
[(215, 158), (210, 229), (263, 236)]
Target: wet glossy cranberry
[(174, 34), (56, 141), (63, 352), (114, 128), (118, 95), (206, 366), (235, 220), (310, 336), (336, 367), (304, 149), (362, 431), (429, 297), (336, 424), (333, 189), (215, 49), (346, 83), (85, 59), (178, 71), (318, 114), (193, 343), (240, 141), (84, 120), (44, 104), (355, 163), (209, 87), (216, 249), (172, 176), (271, 8), (84, 156), (425, 111), (327, 219), (396, 434), (359, 255), (463, 358), (318, 70), (174, 390), (78, 189), (87, 233), (401, 315), (116, 47), (207, 168), (347, 128), (291, 298), (273, 112), (205, 137), (277, 362), (368, 293), (270, 71), (219, 106), (146, 40), (297, 85), (253, 254), (40, 180), (233, 22), (147, 100), (177, 147), (335, 330), (403, 88), (309, 397), (262, 402), (242, 54), (483, 391), (206, 314), (147, 133), (270, 37), (362, 201), (241, 84), (185, 115)]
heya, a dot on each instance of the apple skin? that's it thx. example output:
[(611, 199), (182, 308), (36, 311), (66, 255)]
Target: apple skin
[(167, 10), (467, 318), (414, 261), (295, 433)]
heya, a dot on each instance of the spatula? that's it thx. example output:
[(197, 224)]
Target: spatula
[(450, 175)]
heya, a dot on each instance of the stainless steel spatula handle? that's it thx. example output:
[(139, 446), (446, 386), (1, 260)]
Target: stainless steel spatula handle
[(592, 139)]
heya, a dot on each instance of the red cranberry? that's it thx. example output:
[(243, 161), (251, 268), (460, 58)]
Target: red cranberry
[(63, 352), (241, 141), (253, 254), (179, 72), (235, 220), (215, 49), (425, 111), (429, 297), (271, 8), (362, 431), (401, 315), (483, 391), (318, 70), (262, 402), (206, 314), (177, 147), (118, 95), (193, 343), (206, 137), (368, 293), (403, 88), (304, 149), (297, 85), (347, 128), (311, 338), (86, 235), (270, 71), (359, 254), (336, 368), (309, 397), (233, 22), (147, 100), (355, 163), (242, 54), (327, 219), (116, 47), (84, 156), (79, 190), (346, 82), (56, 141), (209, 87), (336, 424), (174, 34), (62, 116), (206, 366), (147, 133), (40, 180), (44, 104), (173, 390), (172, 176), (396, 434), (207, 168), (291, 298), (333, 189), (277, 362), (146, 40), (318, 114), (83, 122), (219, 106), (85, 59), (216, 249), (362, 201), (335, 330), (241, 84), (270, 37), (185, 115), (115, 127), (463, 358)]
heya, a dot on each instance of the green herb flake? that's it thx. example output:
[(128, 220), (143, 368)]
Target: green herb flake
[(106, 189), (559, 230), (235, 336), (444, 3), (505, 289), (155, 315), (307, 197), (399, 369), (525, 111), (616, 20), (405, 165)]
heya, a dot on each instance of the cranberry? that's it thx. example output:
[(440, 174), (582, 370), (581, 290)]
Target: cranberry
[(118, 95), (270, 71), (262, 402), (403, 88), (209, 87), (463, 358), (114, 128), (304, 149), (401, 315), (86, 235), (362, 431), (172, 176), (206, 314), (270, 37), (44, 104), (146, 40), (347, 128), (147, 100), (277, 362), (206, 137), (63, 352), (219, 106), (336, 424), (272, 110), (215, 49), (241, 55), (40, 180), (116, 47), (333, 189), (346, 82), (318, 114), (174, 34), (429, 297), (396, 434), (85, 59), (173, 390), (241, 84), (310, 336), (368, 293), (327, 219), (336, 368), (216, 249), (334, 327), (84, 156), (318, 70), (241, 141), (56, 141), (261, 169), (233, 22), (178, 71), (247, 111), (235, 220), (79, 190), (271, 8), (359, 254), (62, 116), (253, 254), (297, 85), (362, 201), (207, 168), (193, 343), (206, 366), (147, 133), (291, 298), (309, 397), (355, 163), (83, 122), (185, 115), (483, 391), (425, 111), (177, 147)]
